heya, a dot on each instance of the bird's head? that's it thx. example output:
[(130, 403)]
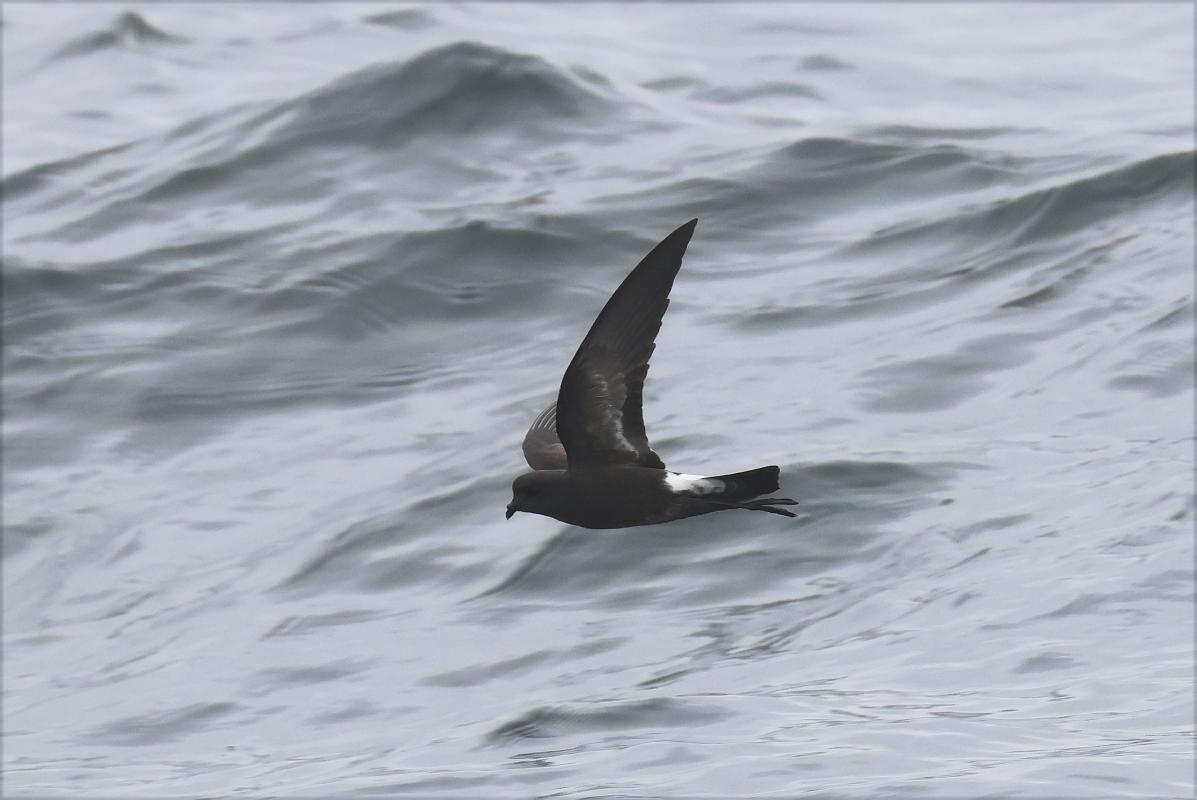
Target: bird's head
[(532, 491)]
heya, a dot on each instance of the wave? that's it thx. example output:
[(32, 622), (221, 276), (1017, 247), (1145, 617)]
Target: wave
[(661, 712), (939, 133), (1053, 212), (166, 725), (1047, 234), (826, 169), (755, 92), (937, 383), (129, 29), (796, 185), (821, 62), (475, 270), (444, 97), (457, 90), (399, 550), (406, 19)]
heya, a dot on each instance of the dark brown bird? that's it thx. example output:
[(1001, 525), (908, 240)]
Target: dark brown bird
[(592, 462)]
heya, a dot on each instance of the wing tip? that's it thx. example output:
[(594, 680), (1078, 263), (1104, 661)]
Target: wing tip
[(681, 234)]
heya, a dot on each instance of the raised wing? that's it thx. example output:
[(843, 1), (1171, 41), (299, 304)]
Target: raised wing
[(600, 420), (542, 448)]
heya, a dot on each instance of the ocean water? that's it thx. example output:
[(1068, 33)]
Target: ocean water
[(284, 285)]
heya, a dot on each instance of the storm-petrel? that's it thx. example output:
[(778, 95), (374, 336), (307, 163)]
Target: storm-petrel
[(592, 463)]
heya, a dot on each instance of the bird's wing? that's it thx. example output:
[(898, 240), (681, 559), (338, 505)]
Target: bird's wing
[(599, 416), (542, 448)]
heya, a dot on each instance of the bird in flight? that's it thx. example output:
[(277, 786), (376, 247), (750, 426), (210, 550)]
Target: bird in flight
[(591, 460)]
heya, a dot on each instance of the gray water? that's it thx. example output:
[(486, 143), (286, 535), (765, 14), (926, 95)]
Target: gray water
[(285, 284)]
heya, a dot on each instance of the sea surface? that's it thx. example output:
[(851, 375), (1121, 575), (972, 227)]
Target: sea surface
[(285, 284)]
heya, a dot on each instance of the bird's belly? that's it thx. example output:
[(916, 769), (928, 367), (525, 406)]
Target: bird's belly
[(607, 518), (629, 509)]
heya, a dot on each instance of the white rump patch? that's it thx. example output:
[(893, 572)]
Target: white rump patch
[(692, 484)]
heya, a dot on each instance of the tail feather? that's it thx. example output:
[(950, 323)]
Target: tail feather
[(740, 489), (740, 486)]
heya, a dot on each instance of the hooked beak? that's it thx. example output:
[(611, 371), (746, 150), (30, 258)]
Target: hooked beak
[(511, 509)]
